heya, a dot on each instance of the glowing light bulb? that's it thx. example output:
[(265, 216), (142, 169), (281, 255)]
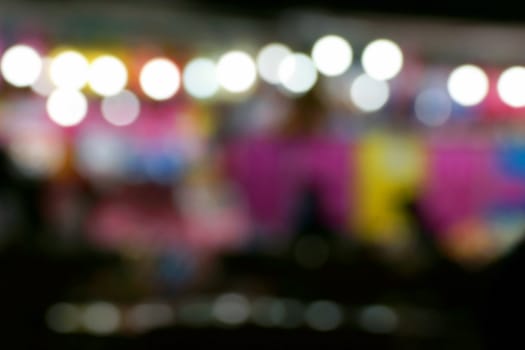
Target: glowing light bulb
[(368, 94), (511, 86), (160, 79), (21, 65), (468, 85), (67, 107), (69, 70), (236, 71), (332, 55), (107, 75), (382, 59)]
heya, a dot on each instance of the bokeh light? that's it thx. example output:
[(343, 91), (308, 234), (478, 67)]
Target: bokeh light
[(368, 94), (69, 70), (63, 317), (121, 109), (378, 319), (382, 59), (37, 155), (21, 65), (236, 71), (101, 318), (269, 59), (433, 107), (468, 85), (332, 55), (231, 309), (67, 107), (297, 73), (324, 315), (160, 79), (511, 86), (143, 317), (199, 78), (107, 75)]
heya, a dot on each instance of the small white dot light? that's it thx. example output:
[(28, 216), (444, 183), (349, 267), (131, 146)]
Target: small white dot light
[(382, 59), (107, 75), (369, 95), (21, 65), (236, 71), (511, 86), (468, 85), (122, 109), (269, 59), (297, 73), (332, 55), (67, 107), (69, 70), (199, 78), (160, 79)]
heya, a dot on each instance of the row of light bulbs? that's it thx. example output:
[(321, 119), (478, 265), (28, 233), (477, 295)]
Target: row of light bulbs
[(63, 76), (235, 71)]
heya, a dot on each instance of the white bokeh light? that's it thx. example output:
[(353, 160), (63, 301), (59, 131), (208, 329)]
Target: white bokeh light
[(69, 70), (43, 85), (121, 109), (382, 59), (332, 55), (199, 78), (297, 73), (101, 318), (269, 59), (236, 71), (468, 85), (511, 86), (368, 94), (21, 65), (160, 79), (67, 107), (433, 107), (107, 75)]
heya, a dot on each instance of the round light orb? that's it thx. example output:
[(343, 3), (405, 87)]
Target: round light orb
[(199, 78), (332, 55), (67, 107), (69, 70), (21, 65), (236, 71), (121, 109), (107, 75), (368, 94), (468, 85), (511, 86), (382, 59), (160, 79)]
